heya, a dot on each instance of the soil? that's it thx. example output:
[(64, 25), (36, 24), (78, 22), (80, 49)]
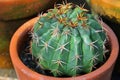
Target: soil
[(31, 62)]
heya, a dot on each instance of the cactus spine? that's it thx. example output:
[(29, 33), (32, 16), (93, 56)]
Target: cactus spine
[(68, 40)]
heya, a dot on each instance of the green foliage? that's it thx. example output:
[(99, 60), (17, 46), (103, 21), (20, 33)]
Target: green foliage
[(67, 40)]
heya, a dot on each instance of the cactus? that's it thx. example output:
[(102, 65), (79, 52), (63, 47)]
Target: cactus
[(68, 40)]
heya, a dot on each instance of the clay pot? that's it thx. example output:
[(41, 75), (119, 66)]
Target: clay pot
[(17, 9), (24, 73)]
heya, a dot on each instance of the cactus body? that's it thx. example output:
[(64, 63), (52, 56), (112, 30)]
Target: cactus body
[(68, 41)]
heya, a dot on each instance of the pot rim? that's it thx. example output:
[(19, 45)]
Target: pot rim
[(28, 25)]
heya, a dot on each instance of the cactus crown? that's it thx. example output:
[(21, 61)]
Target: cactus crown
[(68, 41)]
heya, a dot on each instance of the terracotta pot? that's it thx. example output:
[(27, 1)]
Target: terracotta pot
[(24, 73), (16, 9), (109, 8)]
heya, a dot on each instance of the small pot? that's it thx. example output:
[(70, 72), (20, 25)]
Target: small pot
[(24, 73), (17, 9)]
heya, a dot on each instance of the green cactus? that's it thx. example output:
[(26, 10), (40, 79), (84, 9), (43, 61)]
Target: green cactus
[(68, 41)]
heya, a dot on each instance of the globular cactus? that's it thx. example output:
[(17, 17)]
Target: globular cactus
[(68, 41)]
